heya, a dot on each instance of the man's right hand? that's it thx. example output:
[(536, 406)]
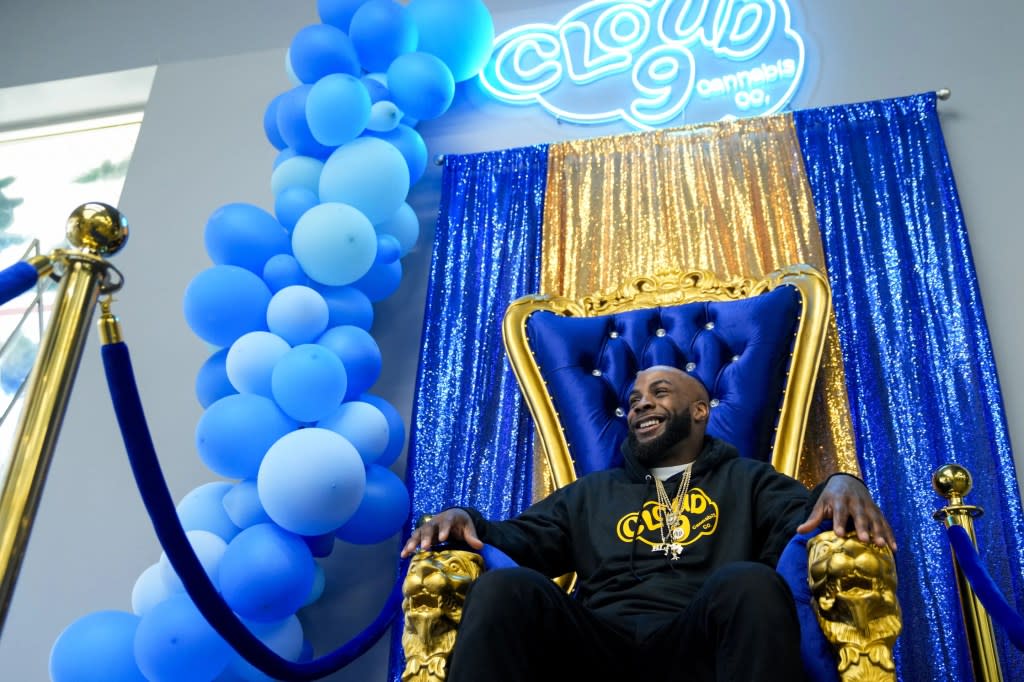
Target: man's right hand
[(451, 524)]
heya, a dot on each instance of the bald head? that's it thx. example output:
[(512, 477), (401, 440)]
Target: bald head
[(688, 380)]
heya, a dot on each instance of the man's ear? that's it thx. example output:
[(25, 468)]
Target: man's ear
[(699, 411)]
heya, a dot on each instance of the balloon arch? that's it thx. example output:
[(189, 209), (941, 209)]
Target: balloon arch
[(289, 305)]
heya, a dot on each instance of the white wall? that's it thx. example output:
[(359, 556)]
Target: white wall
[(202, 146)]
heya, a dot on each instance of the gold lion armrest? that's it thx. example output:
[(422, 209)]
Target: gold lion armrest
[(853, 590), (434, 591)]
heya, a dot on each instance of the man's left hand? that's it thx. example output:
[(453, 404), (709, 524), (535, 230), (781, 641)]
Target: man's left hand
[(846, 497)]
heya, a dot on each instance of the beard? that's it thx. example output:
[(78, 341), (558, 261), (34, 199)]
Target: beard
[(649, 454)]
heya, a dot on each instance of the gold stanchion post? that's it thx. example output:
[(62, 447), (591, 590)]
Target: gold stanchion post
[(96, 230), (953, 482)]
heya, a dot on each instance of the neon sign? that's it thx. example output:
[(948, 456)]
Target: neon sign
[(652, 62)]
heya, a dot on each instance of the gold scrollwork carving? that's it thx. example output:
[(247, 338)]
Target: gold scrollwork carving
[(434, 591), (853, 585)]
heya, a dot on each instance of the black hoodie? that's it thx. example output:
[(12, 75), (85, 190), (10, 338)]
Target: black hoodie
[(603, 527)]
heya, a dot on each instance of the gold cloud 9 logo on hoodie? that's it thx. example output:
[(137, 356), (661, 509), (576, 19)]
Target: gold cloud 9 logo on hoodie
[(698, 515)]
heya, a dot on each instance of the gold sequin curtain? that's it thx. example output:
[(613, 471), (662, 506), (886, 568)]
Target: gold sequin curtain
[(729, 197)]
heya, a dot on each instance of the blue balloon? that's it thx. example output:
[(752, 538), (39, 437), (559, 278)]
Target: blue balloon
[(396, 429), (384, 117), (335, 243), (174, 642), (224, 302), (319, 580), (266, 573), (358, 352), (363, 425), (283, 637), (377, 89), (270, 124), (208, 548), (235, 432), (203, 509), (242, 503), (459, 32), (383, 511), (297, 314), (421, 85), (338, 12), (283, 271), (369, 174), (321, 49), (320, 545), (337, 109), (348, 305), (403, 225), (308, 383), (311, 481), (294, 127), (251, 361), (97, 647), (381, 281), (412, 146), (388, 249), (150, 589), (297, 172), (291, 202), (244, 235), (212, 381), (381, 30)]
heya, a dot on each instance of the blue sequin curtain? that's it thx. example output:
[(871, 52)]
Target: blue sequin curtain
[(919, 365), (470, 442)]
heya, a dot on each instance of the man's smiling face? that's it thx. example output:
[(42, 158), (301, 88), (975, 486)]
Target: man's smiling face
[(662, 407)]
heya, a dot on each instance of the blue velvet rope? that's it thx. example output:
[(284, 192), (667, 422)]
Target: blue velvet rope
[(16, 280), (159, 504), (983, 585)]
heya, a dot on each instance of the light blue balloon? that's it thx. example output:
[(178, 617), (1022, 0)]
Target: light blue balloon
[(244, 235), (212, 381), (292, 202), (421, 85), (283, 637), (226, 301), (294, 126), (209, 549), (338, 12), (289, 70), (297, 314), (311, 481), (174, 642), (376, 85), (284, 271), (381, 281), (412, 146), (335, 243), (396, 428), (97, 647), (366, 173), (358, 352), (363, 425), (381, 30), (384, 116), (348, 305), (266, 573), (388, 249), (337, 109), (203, 509), (321, 49), (284, 155), (404, 226), (308, 383), (243, 506), (383, 511), (319, 583), (17, 363), (298, 171), (235, 432), (459, 32), (150, 589), (251, 360)]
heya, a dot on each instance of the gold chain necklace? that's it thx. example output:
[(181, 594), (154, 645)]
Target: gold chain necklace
[(671, 520)]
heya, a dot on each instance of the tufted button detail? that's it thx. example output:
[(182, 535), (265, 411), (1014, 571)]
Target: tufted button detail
[(714, 402), (596, 372), (709, 326), (660, 332), (690, 366), (614, 335), (619, 412), (735, 358)]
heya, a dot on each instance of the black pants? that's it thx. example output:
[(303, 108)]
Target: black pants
[(518, 626)]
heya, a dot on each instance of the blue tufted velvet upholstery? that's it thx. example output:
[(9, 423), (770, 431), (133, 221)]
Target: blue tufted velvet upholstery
[(739, 349)]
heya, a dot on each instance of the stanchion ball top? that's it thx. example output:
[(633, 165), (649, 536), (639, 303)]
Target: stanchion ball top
[(951, 480), (97, 228)]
